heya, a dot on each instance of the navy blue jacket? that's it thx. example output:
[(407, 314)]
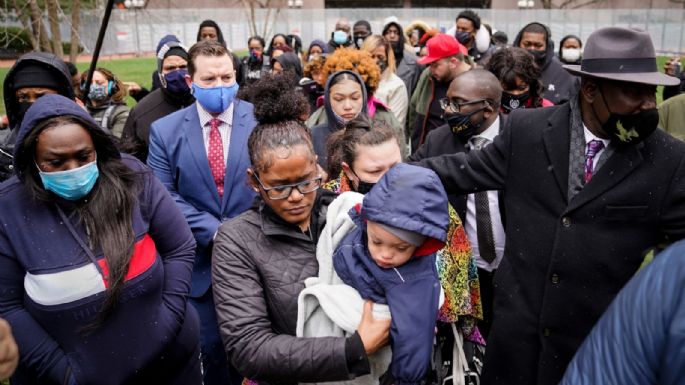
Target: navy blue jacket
[(411, 198), (52, 283), (641, 337)]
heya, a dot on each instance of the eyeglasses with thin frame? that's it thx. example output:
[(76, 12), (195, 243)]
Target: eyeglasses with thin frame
[(284, 191), (455, 106)]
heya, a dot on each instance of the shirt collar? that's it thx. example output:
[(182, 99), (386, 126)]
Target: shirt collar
[(491, 132), (206, 117), (589, 136)]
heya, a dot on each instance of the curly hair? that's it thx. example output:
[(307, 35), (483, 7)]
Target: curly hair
[(119, 91), (278, 108), (355, 60), (513, 62), (314, 65)]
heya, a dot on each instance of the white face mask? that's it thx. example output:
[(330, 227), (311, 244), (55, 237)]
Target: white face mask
[(570, 54)]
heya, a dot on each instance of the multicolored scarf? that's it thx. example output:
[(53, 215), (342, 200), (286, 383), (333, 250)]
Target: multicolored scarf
[(456, 268)]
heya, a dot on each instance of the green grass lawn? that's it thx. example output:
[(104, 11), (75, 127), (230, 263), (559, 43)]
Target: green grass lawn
[(140, 70)]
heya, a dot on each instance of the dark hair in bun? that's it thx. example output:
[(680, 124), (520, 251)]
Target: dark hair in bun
[(278, 108)]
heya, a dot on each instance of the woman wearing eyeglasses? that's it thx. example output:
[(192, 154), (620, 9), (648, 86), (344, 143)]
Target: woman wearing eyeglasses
[(262, 257)]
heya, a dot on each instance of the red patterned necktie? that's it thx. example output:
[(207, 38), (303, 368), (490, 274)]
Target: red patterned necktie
[(216, 156)]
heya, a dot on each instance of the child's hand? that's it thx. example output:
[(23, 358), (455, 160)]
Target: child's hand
[(9, 354), (374, 332)]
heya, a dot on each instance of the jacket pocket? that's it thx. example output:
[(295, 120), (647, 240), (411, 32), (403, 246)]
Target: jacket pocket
[(616, 212)]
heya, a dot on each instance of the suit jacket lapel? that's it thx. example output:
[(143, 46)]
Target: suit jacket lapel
[(616, 168), (193, 133), (556, 140), (236, 149)]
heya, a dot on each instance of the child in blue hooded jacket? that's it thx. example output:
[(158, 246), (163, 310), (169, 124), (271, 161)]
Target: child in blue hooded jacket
[(390, 257)]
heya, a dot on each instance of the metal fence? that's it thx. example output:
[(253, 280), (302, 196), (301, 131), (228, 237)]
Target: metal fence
[(138, 31)]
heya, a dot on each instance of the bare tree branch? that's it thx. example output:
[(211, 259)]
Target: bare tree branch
[(53, 19), (24, 18), (75, 23), (37, 26)]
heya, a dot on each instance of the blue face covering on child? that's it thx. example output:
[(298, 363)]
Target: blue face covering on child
[(72, 184), (215, 99)]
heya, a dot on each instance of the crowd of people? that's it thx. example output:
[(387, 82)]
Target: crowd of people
[(401, 207)]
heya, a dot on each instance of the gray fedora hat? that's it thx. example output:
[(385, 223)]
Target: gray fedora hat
[(621, 54)]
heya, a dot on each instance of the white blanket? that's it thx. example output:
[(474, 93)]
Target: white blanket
[(328, 307)]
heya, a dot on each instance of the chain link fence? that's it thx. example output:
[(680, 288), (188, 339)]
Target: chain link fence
[(137, 31)]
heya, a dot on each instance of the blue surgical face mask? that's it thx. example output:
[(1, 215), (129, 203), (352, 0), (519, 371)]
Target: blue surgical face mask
[(340, 37), (98, 93), (176, 82), (215, 99), (71, 184)]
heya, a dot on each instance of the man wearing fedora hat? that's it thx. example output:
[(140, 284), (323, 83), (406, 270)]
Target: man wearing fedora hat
[(588, 187)]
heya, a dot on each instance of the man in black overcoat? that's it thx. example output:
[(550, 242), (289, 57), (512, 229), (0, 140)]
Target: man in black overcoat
[(589, 186)]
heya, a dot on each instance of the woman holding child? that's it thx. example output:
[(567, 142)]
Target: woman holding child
[(262, 257)]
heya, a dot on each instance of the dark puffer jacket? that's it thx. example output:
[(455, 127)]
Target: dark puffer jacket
[(259, 266)]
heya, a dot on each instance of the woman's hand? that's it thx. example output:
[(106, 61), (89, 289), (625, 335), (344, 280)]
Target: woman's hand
[(9, 353), (373, 332), (133, 88)]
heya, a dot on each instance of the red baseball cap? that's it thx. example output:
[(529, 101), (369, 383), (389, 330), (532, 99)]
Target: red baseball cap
[(441, 46)]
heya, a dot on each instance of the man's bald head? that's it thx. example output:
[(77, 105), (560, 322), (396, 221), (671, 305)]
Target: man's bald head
[(478, 93), (343, 24), (476, 84)]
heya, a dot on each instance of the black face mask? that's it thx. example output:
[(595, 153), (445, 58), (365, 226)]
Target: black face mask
[(540, 56), (461, 124), (22, 107), (463, 37), (397, 49), (383, 65), (629, 128), (512, 102), (362, 187)]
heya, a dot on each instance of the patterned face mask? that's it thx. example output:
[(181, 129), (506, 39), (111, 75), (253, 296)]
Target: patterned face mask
[(98, 93)]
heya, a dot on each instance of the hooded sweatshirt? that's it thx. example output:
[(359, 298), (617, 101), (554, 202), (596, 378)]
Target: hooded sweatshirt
[(291, 63), (53, 282), (321, 132), (408, 68), (319, 121), (61, 75), (557, 82), (409, 198)]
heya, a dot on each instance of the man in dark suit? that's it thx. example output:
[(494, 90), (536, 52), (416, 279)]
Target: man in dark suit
[(471, 112), (200, 154), (588, 186)]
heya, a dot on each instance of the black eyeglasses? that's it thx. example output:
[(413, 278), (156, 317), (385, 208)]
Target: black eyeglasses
[(456, 106), (284, 191)]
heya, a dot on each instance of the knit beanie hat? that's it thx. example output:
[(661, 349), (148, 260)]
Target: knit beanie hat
[(170, 45)]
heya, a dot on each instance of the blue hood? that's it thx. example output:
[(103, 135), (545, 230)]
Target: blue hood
[(48, 106), (410, 198)]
